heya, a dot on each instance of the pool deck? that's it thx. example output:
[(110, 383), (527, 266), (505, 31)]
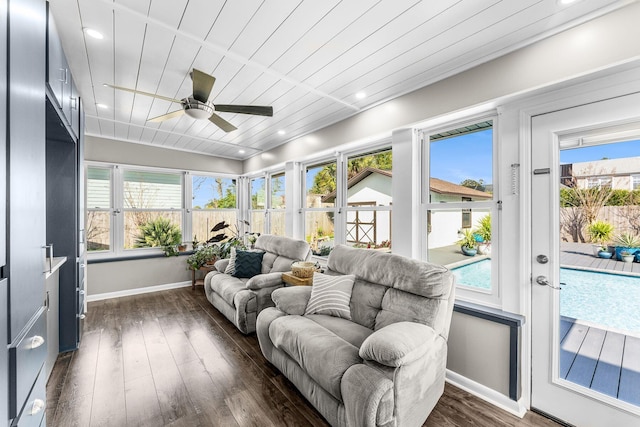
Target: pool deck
[(580, 256), (602, 360)]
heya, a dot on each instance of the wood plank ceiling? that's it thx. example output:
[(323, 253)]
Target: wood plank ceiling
[(308, 59)]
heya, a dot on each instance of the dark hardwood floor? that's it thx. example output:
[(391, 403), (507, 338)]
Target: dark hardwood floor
[(170, 359)]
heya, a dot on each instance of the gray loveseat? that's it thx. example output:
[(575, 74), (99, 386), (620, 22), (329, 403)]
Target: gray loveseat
[(386, 366), (241, 299)]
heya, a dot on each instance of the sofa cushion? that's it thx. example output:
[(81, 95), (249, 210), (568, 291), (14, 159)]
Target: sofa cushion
[(323, 355), (330, 295), (349, 331), (248, 263), (394, 271), (283, 246), (227, 286), (398, 306)]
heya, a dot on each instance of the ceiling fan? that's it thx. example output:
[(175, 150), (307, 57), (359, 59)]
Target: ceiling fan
[(198, 105)]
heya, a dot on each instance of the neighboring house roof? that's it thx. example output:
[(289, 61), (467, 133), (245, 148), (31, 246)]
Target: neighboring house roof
[(436, 185), (445, 187)]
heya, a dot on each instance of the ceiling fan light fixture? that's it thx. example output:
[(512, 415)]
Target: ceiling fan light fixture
[(196, 109)]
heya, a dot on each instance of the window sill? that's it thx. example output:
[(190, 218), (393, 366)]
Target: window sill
[(132, 257)]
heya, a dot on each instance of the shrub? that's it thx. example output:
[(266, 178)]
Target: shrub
[(600, 232), (159, 232)]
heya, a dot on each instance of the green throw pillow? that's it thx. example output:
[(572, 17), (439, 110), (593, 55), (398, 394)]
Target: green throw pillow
[(248, 264)]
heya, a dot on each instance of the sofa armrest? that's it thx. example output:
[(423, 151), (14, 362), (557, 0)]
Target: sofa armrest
[(266, 280), (368, 397), (399, 343), (221, 264), (292, 300)]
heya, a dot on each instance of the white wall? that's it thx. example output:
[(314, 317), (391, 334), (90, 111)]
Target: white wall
[(113, 151)]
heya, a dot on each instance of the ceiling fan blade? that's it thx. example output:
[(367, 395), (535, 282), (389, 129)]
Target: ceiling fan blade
[(256, 110), (222, 123), (126, 89), (167, 116), (202, 85)]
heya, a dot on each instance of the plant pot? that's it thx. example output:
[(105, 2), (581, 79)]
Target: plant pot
[(182, 248), (596, 249), (620, 249), (468, 251), (604, 254), (484, 248), (628, 258)]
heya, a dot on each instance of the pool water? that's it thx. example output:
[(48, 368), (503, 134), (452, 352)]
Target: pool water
[(610, 300)]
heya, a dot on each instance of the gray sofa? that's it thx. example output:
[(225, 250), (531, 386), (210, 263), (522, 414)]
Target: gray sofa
[(386, 366), (240, 299)]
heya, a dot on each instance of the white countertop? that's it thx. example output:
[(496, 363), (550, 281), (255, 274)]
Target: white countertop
[(56, 264)]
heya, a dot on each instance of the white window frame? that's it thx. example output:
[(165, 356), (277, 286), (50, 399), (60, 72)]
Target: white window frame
[(264, 210), (269, 202), (466, 293), (116, 232), (600, 182), (635, 182)]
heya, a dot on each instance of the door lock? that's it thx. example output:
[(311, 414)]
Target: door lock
[(542, 259)]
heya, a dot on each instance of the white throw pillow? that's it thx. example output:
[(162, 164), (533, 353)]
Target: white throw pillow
[(231, 267), (330, 295)]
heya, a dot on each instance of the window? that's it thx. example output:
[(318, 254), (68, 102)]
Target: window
[(459, 204), (319, 207), (369, 200), (257, 206), (136, 209), (635, 182), (599, 182), (277, 185), (99, 207), (152, 204), (213, 200)]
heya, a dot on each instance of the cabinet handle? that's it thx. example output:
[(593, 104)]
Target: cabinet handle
[(36, 342), (48, 256), (74, 103), (63, 75), (38, 405), (47, 302)]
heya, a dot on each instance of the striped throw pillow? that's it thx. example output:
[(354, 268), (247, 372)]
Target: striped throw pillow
[(330, 295)]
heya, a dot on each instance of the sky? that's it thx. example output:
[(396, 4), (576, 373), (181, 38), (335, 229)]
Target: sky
[(615, 150), (468, 156), (205, 189)]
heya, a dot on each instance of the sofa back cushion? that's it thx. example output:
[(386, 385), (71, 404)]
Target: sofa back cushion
[(281, 252), (390, 288)]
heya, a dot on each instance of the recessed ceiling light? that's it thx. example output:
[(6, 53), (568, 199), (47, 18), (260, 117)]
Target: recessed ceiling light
[(361, 95), (281, 132), (567, 1), (241, 151), (102, 106), (94, 33)]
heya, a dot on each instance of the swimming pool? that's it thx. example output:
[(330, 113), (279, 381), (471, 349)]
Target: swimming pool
[(610, 300)]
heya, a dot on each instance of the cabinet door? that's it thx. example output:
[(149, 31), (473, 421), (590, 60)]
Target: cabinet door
[(26, 161), (74, 111), (57, 70)]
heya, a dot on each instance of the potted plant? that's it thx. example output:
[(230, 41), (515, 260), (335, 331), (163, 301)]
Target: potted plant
[(604, 253), (225, 242), (204, 255), (483, 235), (468, 243), (626, 242), (600, 233), (627, 256)]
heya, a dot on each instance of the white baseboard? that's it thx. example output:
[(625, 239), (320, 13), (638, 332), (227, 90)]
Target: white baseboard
[(137, 291), (485, 393)]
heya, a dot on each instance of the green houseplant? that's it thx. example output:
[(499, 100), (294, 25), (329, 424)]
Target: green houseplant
[(203, 255), (482, 234), (626, 242), (600, 233), (468, 243)]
